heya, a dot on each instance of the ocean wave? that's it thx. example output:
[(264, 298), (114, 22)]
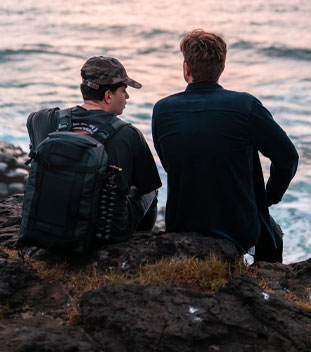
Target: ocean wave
[(274, 50), (155, 32), (290, 53), (8, 54), (160, 49), (242, 44)]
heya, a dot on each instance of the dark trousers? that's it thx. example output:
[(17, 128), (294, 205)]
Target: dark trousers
[(264, 251), (144, 211), (135, 212)]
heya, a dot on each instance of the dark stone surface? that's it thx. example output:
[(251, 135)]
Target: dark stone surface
[(13, 280), (294, 278), (241, 317), (34, 313), (10, 219), (43, 335)]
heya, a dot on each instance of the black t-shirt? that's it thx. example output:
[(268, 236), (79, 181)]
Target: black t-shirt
[(127, 149)]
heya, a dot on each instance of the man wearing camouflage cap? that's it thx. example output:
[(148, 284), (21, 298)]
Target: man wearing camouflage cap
[(103, 87)]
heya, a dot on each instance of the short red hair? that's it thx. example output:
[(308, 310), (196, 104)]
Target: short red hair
[(205, 53)]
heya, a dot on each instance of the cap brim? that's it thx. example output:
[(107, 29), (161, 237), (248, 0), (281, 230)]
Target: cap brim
[(130, 82)]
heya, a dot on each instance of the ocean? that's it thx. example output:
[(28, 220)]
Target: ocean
[(44, 44)]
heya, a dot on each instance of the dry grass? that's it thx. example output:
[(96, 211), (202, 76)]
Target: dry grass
[(201, 275), (240, 267), (12, 254), (74, 315), (304, 302), (210, 273), (49, 273), (91, 279)]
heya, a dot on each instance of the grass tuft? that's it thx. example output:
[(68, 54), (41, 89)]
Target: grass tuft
[(304, 302), (210, 273), (74, 315), (11, 253), (49, 273)]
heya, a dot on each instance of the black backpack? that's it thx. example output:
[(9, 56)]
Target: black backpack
[(67, 178)]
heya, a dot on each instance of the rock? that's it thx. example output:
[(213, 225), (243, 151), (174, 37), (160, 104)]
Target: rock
[(16, 188), (13, 279), (241, 317), (35, 311), (41, 335), (20, 286), (8, 159), (10, 219), (284, 279), (13, 171), (4, 189), (17, 175), (3, 167)]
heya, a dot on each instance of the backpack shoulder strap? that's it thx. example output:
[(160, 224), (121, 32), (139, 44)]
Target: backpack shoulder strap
[(108, 130), (63, 120)]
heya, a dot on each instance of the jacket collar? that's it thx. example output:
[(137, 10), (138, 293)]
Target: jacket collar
[(203, 85)]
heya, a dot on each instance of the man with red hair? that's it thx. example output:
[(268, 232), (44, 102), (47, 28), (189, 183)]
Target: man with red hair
[(208, 140)]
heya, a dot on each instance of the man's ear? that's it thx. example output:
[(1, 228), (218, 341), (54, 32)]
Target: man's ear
[(107, 96), (187, 73)]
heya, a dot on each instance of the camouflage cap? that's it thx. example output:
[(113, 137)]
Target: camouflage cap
[(100, 70)]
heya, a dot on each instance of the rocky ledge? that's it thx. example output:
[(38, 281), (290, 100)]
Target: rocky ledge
[(48, 302)]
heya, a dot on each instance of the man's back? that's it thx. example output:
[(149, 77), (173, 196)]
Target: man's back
[(207, 139)]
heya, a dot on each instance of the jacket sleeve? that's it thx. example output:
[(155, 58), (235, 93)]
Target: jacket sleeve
[(269, 138), (155, 136), (146, 177)]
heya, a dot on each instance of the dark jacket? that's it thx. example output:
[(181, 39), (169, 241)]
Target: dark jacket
[(208, 140)]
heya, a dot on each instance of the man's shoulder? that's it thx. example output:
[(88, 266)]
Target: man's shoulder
[(238, 95), (168, 101), (170, 98), (133, 132)]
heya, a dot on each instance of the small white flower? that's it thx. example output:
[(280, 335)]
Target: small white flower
[(266, 296)]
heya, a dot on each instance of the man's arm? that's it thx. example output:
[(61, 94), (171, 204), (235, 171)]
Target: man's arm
[(155, 136), (146, 177), (272, 142)]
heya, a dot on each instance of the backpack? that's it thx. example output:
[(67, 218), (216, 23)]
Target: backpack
[(68, 175)]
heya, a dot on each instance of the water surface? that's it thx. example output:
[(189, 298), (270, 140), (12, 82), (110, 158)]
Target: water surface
[(44, 44)]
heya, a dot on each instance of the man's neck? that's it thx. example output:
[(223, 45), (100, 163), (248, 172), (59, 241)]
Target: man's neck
[(92, 105)]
